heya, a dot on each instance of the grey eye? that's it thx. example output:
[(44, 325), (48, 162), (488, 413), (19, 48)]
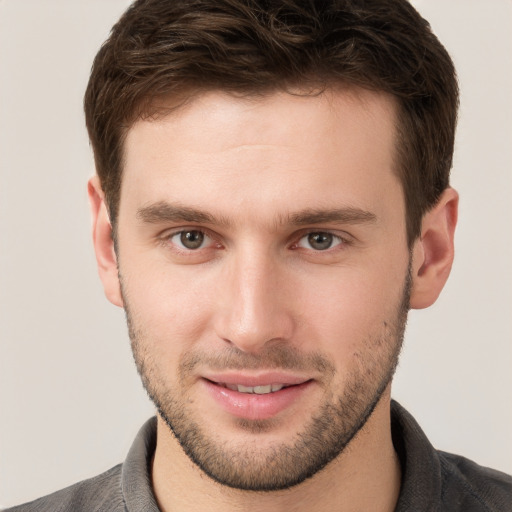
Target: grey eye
[(319, 241), (192, 239)]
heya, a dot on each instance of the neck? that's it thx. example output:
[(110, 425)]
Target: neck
[(366, 476)]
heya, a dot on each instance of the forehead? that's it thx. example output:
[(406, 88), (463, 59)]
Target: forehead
[(218, 150), (333, 107)]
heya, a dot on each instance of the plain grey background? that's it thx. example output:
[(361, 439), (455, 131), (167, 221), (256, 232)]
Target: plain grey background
[(70, 398)]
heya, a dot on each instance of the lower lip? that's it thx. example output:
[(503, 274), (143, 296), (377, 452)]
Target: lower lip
[(252, 406)]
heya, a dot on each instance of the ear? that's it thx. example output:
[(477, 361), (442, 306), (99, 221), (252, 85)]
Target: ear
[(103, 243), (433, 252)]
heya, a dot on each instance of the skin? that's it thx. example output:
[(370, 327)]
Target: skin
[(257, 288)]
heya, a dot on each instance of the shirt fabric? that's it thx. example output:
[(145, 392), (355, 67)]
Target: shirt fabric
[(431, 480)]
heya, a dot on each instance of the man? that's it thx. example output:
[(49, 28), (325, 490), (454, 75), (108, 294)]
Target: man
[(272, 197)]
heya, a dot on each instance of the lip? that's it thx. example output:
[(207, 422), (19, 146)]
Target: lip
[(251, 406), (257, 379)]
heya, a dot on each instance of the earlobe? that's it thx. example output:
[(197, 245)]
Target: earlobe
[(103, 243), (433, 252)]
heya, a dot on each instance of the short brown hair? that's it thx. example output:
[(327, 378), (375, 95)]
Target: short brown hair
[(161, 48)]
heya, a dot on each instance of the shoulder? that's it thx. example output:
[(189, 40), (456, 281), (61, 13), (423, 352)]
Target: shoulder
[(127, 485), (101, 493), (471, 487), (437, 481)]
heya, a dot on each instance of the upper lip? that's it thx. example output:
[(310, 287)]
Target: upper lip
[(259, 379)]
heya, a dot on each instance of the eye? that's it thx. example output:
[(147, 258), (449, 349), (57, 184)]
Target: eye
[(191, 239), (319, 241)]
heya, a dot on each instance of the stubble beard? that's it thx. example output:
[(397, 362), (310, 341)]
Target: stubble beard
[(329, 431)]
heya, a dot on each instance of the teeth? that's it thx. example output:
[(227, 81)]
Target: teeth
[(258, 390), (262, 390)]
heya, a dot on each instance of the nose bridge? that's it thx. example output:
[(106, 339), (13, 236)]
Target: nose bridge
[(254, 310)]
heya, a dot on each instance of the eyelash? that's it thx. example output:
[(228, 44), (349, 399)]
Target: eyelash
[(337, 241), (167, 240)]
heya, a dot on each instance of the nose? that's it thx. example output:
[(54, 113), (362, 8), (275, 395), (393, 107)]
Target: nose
[(254, 307)]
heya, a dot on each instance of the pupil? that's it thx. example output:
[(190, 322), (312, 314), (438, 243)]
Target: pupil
[(320, 241), (192, 239)]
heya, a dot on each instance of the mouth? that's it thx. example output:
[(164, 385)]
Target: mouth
[(257, 390), (257, 398)]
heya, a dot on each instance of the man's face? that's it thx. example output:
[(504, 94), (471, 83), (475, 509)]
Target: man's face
[(264, 268)]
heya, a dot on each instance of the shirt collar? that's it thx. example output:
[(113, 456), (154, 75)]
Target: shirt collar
[(136, 472)]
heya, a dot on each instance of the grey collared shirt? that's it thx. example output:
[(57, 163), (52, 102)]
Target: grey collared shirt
[(431, 480)]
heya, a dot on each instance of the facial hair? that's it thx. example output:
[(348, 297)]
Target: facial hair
[(328, 432)]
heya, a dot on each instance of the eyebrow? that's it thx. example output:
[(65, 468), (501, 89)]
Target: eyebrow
[(339, 215), (167, 212), (163, 211)]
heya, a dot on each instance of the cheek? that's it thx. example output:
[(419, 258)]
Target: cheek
[(169, 305), (350, 311)]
